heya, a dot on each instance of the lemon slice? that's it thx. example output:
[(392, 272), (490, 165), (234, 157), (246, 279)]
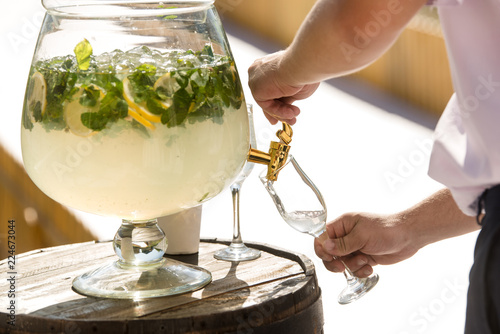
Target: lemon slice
[(233, 71), (168, 85), (36, 96), (135, 115), (139, 108), (73, 112)]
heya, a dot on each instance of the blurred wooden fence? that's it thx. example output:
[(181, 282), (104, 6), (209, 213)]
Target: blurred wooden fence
[(415, 68), (38, 220)]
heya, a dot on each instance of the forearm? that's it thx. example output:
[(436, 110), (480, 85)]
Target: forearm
[(436, 218), (342, 36)]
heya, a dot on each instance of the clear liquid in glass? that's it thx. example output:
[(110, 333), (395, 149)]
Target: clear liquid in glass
[(311, 222)]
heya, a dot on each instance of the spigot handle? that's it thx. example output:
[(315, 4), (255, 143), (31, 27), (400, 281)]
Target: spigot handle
[(285, 135)]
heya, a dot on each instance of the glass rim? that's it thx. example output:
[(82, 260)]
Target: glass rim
[(291, 159), (130, 8)]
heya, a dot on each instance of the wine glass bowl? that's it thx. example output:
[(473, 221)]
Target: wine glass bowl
[(134, 109), (302, 206), (307, 212)]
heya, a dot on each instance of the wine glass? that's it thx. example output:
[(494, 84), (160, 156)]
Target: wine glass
[(237, 250), (302, 206), (134, 110)]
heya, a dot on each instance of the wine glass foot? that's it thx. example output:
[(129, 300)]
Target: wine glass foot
[(357, 289), (122, 281), (237, 252)]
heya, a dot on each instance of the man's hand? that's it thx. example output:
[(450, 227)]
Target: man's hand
[(362, 241), (317, 52), (275, 93)]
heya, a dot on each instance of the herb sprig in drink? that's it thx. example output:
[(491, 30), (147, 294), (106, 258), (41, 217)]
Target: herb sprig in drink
[(170, 127)]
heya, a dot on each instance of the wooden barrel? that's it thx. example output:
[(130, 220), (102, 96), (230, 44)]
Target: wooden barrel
[(277, 293)]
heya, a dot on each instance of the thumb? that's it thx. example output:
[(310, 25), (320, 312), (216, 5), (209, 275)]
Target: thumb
[(343, 246)]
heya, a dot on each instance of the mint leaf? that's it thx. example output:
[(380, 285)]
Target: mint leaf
[(147, 69), (83, 51), (90, 96), (155, 107), (168, 17), (203, 86), (112, 109), (203, 197), (60, 88), (142, 81), (37, 111), (28, 125), (177, 113), (207, 51), (93, 120)]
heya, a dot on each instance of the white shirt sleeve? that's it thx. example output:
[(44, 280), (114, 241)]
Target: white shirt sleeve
[(466, 153)]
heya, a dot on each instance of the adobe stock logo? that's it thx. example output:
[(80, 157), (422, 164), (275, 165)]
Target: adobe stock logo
[(364, 36), (432, 312), (485, 89), (27, 32), (408, 164)]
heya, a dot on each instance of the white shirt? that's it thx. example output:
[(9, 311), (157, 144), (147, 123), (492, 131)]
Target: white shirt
[(466, 151)]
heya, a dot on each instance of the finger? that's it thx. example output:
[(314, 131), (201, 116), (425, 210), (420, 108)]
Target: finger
[(347, 244), (363, 272), (334, 266), (266, 106), (280, 111), (286, 111), (356, 262), (273, 119), (288, 99), (318, 248), (270, 118)]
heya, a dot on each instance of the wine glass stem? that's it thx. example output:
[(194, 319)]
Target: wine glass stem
[(348, 273), (235, 192), (351, 279)]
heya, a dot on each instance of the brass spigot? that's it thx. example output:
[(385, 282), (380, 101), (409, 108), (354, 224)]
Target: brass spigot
[(278, 153)]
